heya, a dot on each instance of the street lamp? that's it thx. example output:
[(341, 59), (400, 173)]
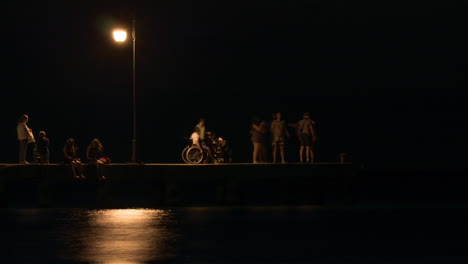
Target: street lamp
[(120, 35)]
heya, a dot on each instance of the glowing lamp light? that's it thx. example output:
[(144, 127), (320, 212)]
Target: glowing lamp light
[(120, 35)]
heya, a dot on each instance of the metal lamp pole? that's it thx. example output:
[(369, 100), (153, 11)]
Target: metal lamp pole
[(134, 91), (120, 36)]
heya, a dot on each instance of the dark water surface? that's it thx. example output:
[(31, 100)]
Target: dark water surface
[(305, 234)]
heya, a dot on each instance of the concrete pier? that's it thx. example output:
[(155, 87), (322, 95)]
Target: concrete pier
[(158, 185), (150, 185)]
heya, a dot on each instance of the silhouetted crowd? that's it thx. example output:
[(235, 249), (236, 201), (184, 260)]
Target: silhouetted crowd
[(94, 151), (275, 133)]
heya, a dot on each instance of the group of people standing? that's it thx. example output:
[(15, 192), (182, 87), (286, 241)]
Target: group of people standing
[(277, 132), (26, 137), (261, 132), (94, 151)]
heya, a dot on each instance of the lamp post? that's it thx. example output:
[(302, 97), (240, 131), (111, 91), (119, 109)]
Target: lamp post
[(120, 36)]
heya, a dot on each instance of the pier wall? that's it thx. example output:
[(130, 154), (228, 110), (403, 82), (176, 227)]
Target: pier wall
[(178, 184), (156, 185)]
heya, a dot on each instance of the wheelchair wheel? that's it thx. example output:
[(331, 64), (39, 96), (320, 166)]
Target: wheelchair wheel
[(194, 154), (184, 154)]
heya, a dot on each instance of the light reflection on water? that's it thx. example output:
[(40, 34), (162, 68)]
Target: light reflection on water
[(123, 236), (91, 236), (232, 235)]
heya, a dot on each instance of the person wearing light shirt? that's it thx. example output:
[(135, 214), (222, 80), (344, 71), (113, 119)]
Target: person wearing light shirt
[(25, 136), (279, 132)]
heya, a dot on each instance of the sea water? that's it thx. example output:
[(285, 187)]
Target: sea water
[(250, 234)]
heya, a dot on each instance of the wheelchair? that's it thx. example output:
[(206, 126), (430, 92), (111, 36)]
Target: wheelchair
[(215, 150), (193, 154)]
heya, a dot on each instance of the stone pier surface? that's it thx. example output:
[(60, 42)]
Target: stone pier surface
[(153, 185), (159, 185)]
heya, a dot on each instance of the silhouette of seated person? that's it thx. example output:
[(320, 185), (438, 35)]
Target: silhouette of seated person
[(70, 152), (93, 154)]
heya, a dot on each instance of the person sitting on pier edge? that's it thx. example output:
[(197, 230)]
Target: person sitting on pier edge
[(42, 148), (70, 151), (94, 154)]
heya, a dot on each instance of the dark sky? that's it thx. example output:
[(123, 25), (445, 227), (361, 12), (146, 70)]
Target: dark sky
[(384, 81)]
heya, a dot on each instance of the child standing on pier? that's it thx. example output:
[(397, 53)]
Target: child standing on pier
[(42, 148)]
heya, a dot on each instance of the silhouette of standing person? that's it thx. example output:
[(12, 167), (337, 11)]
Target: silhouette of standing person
[(201, 126), (307, 138), (42, 148), (205, 144), (257, 131), (25, 136), (278, 132)]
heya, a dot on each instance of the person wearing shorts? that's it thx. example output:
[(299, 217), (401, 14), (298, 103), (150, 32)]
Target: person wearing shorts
[(279, 132), (307, 138), (257, 132)]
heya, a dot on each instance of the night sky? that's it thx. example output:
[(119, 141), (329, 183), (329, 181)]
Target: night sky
[(383, 80)]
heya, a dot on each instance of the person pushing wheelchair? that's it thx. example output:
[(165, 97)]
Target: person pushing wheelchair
[(197, 138)]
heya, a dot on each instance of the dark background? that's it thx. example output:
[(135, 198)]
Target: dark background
[(383, 80)]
